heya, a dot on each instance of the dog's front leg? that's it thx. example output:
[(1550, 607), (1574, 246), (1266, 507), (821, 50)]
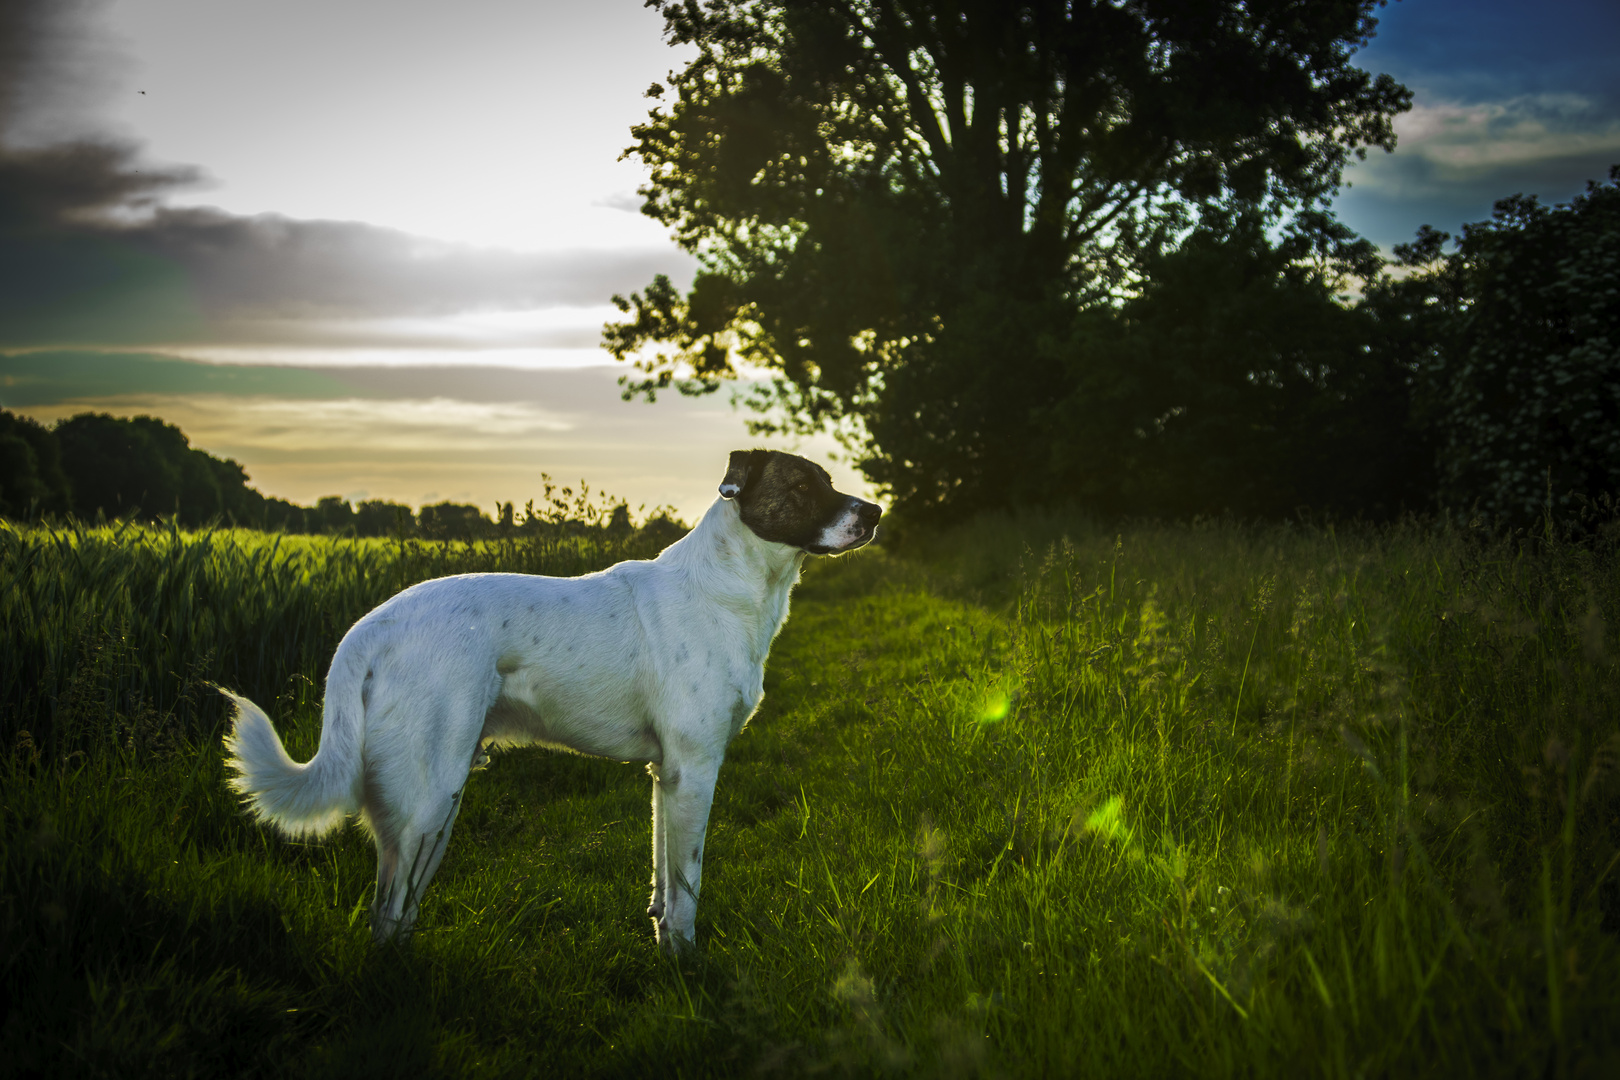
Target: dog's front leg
[(660, 878), (682, 808)]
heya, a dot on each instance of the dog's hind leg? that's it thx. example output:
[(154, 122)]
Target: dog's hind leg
[(404, 870), (423, 798)]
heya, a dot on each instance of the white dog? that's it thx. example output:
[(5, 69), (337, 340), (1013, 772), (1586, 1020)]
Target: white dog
[(660, 661)]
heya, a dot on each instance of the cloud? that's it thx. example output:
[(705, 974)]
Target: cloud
[(56, 67), (91, 255), (1460, 141), (400, 426), (1542, 143), (272, 265), (59, 377), (1457, 157)]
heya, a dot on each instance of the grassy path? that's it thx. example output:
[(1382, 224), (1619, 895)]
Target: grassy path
[(1207, 804)]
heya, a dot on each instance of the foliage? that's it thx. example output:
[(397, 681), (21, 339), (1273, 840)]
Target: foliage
[(1204, 800), (31, 477), (1517, 333), (1239, 381), (136, 622), (94, 465), (904, 209), (146, 468)]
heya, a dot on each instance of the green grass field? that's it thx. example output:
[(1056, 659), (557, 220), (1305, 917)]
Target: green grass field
[(1030, 798)]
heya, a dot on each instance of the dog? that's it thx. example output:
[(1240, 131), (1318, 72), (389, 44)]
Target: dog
[(659, 660)]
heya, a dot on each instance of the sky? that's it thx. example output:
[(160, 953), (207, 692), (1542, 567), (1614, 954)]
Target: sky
[(1507, 98), (371, 242)]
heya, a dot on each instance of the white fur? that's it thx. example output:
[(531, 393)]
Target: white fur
[(659, 661)]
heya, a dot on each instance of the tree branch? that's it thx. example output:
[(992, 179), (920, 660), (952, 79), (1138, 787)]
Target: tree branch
[(897, 54)]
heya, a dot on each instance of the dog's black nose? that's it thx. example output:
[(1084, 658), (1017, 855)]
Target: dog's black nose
[(869, 513)]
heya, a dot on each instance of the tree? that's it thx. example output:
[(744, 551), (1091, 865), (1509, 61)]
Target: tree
[(379, 517), (1516, 337), (96, 464), (31, 477), (118, 467), (453, 521), (115, 469), (903, 209), (1239, 380), (332, 514)]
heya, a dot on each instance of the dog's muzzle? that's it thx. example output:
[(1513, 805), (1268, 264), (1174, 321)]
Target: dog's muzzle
[(853, 528)]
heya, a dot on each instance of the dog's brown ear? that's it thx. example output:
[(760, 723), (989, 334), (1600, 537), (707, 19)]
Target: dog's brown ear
[(743, 469)]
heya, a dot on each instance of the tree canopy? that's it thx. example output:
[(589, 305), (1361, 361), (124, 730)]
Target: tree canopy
[(905, 209), (1237, 380), (31, 478), (95, 465), (1514, 337)]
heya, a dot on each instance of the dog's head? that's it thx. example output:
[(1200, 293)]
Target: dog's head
[(789, 500)]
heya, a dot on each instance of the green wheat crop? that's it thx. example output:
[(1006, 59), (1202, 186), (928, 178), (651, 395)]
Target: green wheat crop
[(119, 629)]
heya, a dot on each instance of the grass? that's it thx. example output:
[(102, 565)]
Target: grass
[(1030, 798), (115, 633)]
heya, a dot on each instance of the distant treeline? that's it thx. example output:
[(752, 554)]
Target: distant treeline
[(96, 466)]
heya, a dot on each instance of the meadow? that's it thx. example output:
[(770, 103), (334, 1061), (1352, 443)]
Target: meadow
[(1028, 797)]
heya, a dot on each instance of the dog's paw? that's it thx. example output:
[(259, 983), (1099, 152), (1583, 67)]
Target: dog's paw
[(673, 944), (677, 948), (389, 932)]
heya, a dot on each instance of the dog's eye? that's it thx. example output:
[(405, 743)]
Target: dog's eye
[(803, 485)]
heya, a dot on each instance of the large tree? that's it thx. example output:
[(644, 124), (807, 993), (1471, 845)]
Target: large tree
[(904, 209)]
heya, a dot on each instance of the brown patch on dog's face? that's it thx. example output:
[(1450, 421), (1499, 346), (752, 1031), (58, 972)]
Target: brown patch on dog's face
[(788, 499)]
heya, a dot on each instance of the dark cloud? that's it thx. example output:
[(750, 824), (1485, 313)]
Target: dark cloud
[(272, 265), (1414, 196), (66, 187), (91, 255), (58, 67), (24, 25), (29, 380)]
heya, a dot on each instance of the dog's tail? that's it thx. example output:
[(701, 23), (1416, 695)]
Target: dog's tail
[(301, 800)]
